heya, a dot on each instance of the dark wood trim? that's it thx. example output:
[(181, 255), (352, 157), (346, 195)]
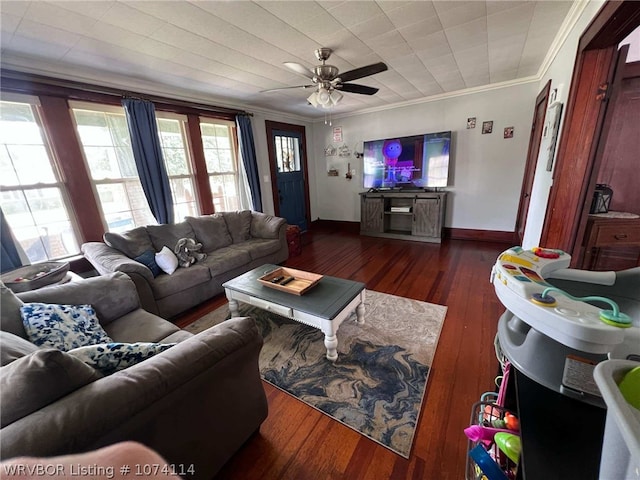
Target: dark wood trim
[(270, 126), (60, 127), (18, 82), (481, 235), (337, 225), (535, 138), (613, 23), (199, 165)]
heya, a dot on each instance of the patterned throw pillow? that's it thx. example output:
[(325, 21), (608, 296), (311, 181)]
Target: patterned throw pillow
[(108, 358), (62, 326)]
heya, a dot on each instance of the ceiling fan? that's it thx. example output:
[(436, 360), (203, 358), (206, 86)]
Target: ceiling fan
[(329, 82)]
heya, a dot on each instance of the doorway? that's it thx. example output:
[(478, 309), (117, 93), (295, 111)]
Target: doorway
[(574, 177), (288, 164)]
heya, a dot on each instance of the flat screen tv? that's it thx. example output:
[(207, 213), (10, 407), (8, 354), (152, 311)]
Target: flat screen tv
[(418, 161)]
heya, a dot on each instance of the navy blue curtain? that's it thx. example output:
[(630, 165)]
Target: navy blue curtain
[(143, 129), (10, 258), (249, 160)]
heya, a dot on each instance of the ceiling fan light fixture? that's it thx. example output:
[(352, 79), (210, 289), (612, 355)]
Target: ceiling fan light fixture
[(313, 99), (335, 97), (324, 97)]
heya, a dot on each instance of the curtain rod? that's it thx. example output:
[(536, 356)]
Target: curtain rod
[(115, 92)]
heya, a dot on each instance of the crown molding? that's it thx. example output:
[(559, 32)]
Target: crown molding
[(129, 84)]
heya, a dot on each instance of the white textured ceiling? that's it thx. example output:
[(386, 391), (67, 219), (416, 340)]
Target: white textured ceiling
[(214, 50)]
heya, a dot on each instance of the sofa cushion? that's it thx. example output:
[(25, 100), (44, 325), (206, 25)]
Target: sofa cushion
[(211, 231), (168, 235), (258, 248), (141, 326), (13, 347), (166, 260), (265, 226), (148, 259), (10, 312), (239, 225), (132, 243), (38, 379), (62, 326), (109, 358), (226, 259), (182, 279)]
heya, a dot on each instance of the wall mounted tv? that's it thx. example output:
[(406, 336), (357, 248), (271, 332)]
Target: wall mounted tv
[(418, 161)]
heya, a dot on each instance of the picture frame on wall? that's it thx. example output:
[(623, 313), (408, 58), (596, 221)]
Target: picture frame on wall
[(471, 122), (487, 127), (552, 125), (508, 132)]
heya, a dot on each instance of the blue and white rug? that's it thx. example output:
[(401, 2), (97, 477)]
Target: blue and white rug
[(377, 384)]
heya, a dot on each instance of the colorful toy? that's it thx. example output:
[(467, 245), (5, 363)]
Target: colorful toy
[(509, 444), (391, 151), (477, 433)]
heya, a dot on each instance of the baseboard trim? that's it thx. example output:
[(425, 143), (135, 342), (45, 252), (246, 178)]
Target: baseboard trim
[(451, 233), (481, 235), (340, 225)]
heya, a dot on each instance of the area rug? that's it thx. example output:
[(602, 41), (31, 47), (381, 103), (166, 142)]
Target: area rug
[(376, 386)]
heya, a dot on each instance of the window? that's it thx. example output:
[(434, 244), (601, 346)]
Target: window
[(104, 136), (222, 166), (171, 130), (32, 196)]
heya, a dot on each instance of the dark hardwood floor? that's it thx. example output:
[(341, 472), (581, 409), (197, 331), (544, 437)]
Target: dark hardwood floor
[(298, 442)]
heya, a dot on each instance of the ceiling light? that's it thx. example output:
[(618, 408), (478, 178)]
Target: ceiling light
[(324, 98)]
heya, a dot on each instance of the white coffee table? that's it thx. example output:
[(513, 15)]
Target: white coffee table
[(325, 306)]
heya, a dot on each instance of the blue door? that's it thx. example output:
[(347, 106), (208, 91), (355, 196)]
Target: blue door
[(290, 176)]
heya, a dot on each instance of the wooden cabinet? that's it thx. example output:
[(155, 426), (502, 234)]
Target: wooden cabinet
[(417, 216), (612, 242), (372, 214)]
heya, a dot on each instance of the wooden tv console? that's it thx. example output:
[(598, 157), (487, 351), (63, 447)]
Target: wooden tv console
[(412, 215)]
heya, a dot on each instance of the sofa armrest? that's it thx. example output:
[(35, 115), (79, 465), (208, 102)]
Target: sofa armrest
[(112, 295), (267, 226), (206, 388), (106, 260)]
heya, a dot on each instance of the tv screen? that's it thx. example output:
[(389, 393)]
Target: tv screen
[(418, 161)]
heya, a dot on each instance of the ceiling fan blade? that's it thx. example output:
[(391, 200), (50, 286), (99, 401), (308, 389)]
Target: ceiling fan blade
[(363, 72), (286, 88), (355, 88), (299, 69)]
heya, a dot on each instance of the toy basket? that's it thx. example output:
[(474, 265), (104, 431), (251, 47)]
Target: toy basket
[(483, 413)]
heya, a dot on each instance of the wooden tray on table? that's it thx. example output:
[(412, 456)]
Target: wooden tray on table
[(300, 282)]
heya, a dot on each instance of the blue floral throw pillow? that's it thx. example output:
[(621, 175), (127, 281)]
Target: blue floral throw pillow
[(108, 358), (62, 326)]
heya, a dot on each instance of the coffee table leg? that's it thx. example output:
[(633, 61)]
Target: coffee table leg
[(233, 304), (331, 342), (360, 314)]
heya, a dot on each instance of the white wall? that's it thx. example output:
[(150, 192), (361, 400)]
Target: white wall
[(559, 72), (485, 174)]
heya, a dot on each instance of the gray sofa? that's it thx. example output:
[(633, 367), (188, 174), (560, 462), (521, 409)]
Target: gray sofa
[(195, 403), (235, 242)]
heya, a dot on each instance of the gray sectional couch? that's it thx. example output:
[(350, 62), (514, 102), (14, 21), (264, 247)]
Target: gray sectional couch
[(195, 403), (235, 242)]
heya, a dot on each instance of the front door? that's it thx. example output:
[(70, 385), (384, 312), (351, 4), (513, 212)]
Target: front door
[(288, 172)]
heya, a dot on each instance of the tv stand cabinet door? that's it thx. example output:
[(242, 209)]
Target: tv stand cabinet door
[(426, 216), (372, 213)]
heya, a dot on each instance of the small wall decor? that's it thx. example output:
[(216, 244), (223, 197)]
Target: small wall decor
[(550, 132), (508, 132), (487, 127), (330, 151), (337, 134), (471, 122), (349, 175), (333, 172), (344, 151)]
